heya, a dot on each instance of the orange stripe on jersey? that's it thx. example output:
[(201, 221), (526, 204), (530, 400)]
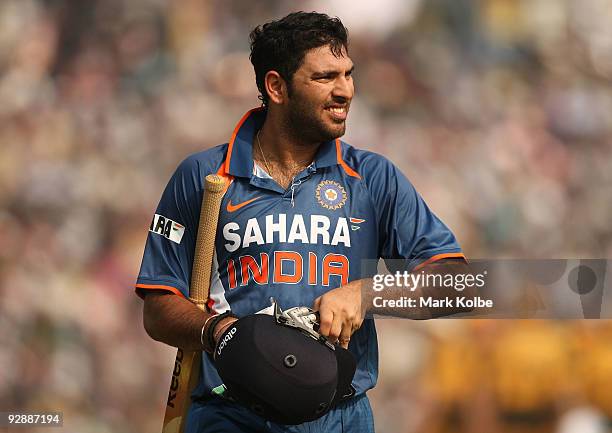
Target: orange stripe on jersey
[(235, 133), (344, 165), (228, 177), (221, 171), (356, 220), (296, 258), (440, 257), (159, 287)]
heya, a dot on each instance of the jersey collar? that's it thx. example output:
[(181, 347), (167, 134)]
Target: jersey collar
[(239, 160)]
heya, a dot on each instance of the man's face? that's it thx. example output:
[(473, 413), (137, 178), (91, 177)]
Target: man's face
[(320, 95)]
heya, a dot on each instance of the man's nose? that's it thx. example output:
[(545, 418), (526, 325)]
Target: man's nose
[(344, 88)]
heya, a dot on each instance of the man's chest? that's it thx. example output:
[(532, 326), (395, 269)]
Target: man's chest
[(316, 232)]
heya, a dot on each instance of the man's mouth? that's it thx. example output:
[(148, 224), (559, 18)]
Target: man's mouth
[(338, 113)]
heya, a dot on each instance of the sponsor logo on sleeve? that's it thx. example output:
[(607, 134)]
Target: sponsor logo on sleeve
[(169, 229)]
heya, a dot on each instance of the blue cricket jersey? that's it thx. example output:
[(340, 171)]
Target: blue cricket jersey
[(296, 244)]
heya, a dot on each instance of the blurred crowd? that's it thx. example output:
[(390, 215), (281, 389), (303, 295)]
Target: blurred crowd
[(499, 111), (502, 376)]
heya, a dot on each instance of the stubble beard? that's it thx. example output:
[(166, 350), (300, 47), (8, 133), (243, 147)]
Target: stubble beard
[(306, 125)]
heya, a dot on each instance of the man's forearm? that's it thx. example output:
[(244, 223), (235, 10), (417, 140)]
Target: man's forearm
[(174, 320), (420, 302)]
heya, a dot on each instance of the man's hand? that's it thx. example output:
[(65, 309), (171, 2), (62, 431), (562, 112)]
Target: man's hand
[(341, 312)]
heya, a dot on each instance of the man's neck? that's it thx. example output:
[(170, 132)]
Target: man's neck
[(281, 149), (281, 154)]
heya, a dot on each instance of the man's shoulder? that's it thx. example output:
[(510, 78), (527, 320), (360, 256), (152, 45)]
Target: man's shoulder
[(364, 162), (206, 161)]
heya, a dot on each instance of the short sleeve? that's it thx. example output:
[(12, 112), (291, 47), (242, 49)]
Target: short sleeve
[(168, 255), (408, 229)]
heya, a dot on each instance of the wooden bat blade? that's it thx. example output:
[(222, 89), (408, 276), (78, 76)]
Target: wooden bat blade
[(184, 379), (186, 371)]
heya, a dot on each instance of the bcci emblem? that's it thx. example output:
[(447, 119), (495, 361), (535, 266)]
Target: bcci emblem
[(331, 195)]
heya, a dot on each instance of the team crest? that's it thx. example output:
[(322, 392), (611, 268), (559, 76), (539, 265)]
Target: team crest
[(331, 195)]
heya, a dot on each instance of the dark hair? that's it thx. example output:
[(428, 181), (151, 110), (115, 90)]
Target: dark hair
[(282, 45)]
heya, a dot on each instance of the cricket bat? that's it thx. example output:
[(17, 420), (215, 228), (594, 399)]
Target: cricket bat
[(187, 364)]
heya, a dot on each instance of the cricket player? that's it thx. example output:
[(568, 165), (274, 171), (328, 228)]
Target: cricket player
[(302, 212)]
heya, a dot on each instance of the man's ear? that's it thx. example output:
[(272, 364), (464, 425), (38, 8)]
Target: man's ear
[(276, 87)]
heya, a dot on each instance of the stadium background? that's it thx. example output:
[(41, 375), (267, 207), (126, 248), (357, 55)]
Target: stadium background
[(499, 111)]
